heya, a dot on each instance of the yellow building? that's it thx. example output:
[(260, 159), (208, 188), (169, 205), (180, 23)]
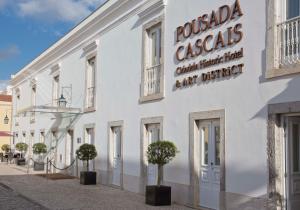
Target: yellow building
[(5, 110)]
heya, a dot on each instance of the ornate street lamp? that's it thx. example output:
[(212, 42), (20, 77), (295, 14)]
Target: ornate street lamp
[(62, 102), (6, 119)]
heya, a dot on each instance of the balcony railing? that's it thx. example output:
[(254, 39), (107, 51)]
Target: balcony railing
[(152, 80), (289, 38), (90, 97)]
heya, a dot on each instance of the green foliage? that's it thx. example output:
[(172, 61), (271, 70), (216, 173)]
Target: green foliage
[(39, 148), (5, 148), (86, 152), (161, 152), (22, 147)]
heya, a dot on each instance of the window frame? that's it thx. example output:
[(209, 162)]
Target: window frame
[(147, 28), (87, 59), (276, 14)]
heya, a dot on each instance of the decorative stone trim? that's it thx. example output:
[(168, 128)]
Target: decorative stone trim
[(55, 70), (273, 69), (144, 146), (111, 125), (276, 150), (146, 27), (90, 47), (195, 153)]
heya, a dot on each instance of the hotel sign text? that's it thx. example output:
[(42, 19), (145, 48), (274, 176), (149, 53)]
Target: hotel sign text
[(209, 44)]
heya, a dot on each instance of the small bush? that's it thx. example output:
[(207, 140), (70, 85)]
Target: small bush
[(86, 152)]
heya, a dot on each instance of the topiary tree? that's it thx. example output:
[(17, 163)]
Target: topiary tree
[(39, 149), (22, 147), (161, 153), (86, 152), (5, 148)]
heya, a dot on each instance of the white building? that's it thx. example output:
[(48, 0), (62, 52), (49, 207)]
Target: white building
[(221, 82)]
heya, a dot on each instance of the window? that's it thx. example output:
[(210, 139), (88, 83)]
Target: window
[(55, 90), (292, 9), (42, 137), (89, 136), (152, 77), (33, 103), (90, 83), (283, 46)]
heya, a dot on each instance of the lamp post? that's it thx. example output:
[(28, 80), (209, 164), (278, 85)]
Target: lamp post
[(62, 102)]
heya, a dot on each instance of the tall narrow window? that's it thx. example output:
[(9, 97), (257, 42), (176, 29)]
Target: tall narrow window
[(42, 137), (55, 90), (33, 103), (90, 83), (153, 68), (152, 87), (90, 136)]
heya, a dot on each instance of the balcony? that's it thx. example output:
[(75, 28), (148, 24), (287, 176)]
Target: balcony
[(289, 38), (152, 80), (90, 98)]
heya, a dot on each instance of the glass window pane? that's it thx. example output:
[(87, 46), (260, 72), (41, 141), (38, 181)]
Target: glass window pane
[(217, 145), (292, 8), (154, 41), (295, 134), (205, 138)]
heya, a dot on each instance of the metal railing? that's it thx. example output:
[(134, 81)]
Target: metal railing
[(152, 80), (289, 38), (90, 97)]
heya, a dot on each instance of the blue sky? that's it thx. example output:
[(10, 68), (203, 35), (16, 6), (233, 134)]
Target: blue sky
[(28, 27)]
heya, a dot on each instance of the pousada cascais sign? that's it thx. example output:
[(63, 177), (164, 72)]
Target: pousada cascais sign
[(209, 43)]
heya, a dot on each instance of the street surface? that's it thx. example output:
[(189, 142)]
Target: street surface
[(20, 191)]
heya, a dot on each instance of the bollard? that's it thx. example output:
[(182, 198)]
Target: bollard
[(77, 175), (47, 168)]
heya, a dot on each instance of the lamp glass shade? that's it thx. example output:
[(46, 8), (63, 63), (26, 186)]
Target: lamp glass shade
[(62, 102), (6, 120)]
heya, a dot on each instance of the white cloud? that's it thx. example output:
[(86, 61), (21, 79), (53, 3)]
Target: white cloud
[(9, 52), (3, 84), (3, 3), (53, 10)]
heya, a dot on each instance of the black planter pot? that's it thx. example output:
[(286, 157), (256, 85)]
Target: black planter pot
[(38, 166), (21, 161), (158, 195), (88, 177)]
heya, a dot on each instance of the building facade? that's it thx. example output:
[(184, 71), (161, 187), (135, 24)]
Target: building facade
[(6, 118), (219, 79)]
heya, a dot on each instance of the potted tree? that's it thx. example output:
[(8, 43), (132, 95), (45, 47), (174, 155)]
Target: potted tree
[(160, 153), (5, 148), (87, 152), (22, 147), (39, 149)]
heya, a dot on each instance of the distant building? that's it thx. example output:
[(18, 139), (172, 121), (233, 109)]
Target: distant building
[(5, 113)]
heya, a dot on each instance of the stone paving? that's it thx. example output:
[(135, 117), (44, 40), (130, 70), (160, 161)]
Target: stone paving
[(65, 194)]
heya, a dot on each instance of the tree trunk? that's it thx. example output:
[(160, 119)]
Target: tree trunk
[(159, 175), (87, 165)]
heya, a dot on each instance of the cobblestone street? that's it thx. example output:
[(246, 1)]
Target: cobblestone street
[(30, 192)]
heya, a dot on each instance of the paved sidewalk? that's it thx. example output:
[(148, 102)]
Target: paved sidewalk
[(69, 194)]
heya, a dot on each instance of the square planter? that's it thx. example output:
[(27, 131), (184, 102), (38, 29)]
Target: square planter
[(88, 177), (21, 162), (38, 166), (158, 195)]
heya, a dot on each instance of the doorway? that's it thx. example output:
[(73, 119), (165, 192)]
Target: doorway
[(207, 158), (209, 180), (153, 135), (115, 155), (292, 167)]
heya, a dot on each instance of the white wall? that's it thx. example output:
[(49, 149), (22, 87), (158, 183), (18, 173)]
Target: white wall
[(244, 98)]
